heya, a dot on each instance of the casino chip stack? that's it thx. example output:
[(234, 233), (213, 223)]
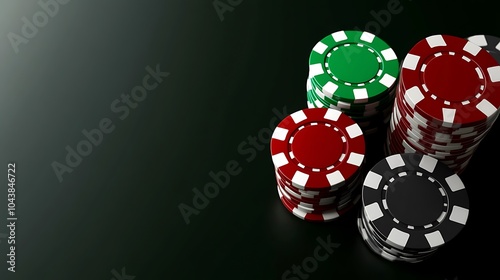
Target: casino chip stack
[(446, 101), (318, 154), (354, 72), (412, 205)]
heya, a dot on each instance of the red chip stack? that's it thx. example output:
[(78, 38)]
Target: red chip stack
[(447, 99)]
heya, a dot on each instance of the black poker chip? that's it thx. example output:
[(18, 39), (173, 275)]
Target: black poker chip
[(412, 205)]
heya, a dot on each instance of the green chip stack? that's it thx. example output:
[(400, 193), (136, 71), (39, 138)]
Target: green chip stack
[(354, 72)]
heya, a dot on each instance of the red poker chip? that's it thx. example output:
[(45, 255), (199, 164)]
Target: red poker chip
[(421, 135), (454, 143), (436, 136), (317, 204), (319, 200), (317, 148), (429, 142), (308, 192), (418, 143), (444, 122), (307, 199), (315, 209), (334, 191), (324, 216), (395, 148), (310, 195), (420, 119), (451, 80), (308, 206), (400, 144), (451, 148), (419, 146)]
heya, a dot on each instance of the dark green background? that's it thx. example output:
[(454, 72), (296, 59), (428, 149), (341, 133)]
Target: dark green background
[(119, 207)]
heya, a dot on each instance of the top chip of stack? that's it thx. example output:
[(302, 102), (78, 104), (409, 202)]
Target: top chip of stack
[(412, 205), (447, 99), (354, 72), (318, 154)]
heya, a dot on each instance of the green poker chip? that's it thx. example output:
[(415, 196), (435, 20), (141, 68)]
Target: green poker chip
[(375, 104), (364, 109), (353, 66)]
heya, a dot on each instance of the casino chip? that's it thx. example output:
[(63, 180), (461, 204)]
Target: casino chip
[(318, 155), (447, 99), (411, 205), (488, 42), (354, 72)]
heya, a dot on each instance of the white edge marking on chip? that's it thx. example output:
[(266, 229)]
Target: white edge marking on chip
[(355, 159), (286, 195), (472, 48), (398, 237), (387, 80), (364, 234), (479, 73), (313, 192), (335, 178), (332, 114), (298, 116), (455, 183), (435, 239), (354, 130), (299, 213), (388, 256), (329, 89), (448, 115), (408, 148), (319, 93), (435, 41), (360, 93), (498, 46), (279, 160), (373, 211), (494, 73), (330, 214), (367, 37), (320, 48), (280, 133), (428, 163), (339, 36), (343, 104), (315, 69), (292, 193), (308, 84), (486, 108), (411, 61), (279, 191), (479, 40), (389, 54), (459, 215), (300, 178), (277, 174), (372, 180), (413, 96), (395, 161)]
